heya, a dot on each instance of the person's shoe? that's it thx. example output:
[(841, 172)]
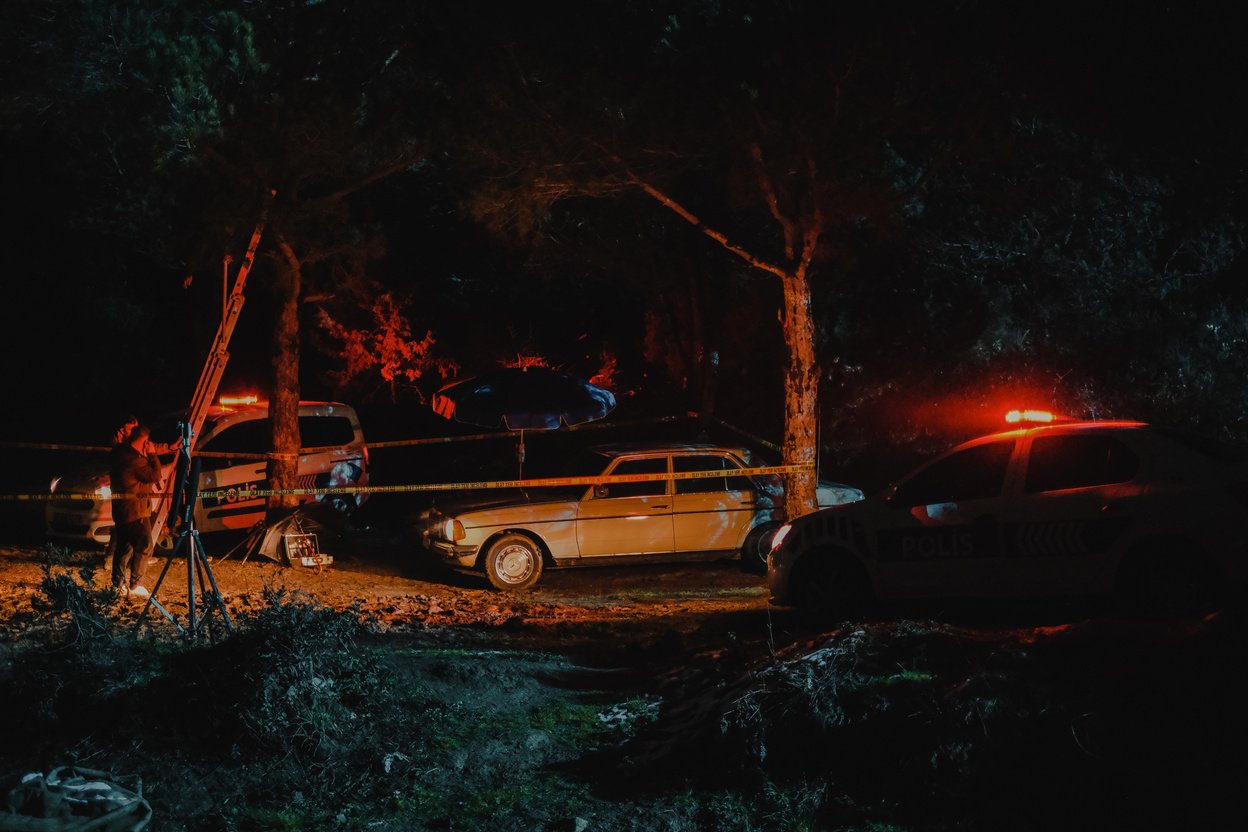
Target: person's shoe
[(139, 591)]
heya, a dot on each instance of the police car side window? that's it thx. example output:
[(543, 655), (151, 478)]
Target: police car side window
[(251, 437), (1074, 461), (974, 474), (325, 431)]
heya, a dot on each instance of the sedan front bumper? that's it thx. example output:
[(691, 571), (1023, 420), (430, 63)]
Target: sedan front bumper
[(449, 552)]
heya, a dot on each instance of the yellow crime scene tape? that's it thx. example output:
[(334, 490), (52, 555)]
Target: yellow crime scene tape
[(393, 443), (546, 482)]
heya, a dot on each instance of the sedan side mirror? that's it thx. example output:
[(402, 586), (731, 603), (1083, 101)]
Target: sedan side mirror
[(601, 491)]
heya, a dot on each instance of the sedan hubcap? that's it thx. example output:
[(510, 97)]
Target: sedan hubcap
[(514, 563)]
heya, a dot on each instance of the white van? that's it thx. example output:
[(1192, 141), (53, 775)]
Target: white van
[(330, 429)]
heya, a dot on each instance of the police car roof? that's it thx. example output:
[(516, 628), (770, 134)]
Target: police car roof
[(218, 410), (1062, 427)]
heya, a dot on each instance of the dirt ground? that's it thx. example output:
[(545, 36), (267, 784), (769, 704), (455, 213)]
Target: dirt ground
[(600, 615), (620, 698)]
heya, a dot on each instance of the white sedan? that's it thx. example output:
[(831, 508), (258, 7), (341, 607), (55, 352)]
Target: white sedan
[(511, 537)]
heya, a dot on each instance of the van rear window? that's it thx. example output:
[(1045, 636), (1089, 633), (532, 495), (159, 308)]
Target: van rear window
[(320, 431), (1216, 449)]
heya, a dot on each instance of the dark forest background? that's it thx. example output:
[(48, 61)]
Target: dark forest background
[(1035, 204)]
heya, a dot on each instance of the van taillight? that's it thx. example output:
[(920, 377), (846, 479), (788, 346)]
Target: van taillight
[(1239, 490)]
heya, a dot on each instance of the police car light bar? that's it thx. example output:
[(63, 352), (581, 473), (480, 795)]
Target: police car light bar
[(1016, 416), (226, 401)]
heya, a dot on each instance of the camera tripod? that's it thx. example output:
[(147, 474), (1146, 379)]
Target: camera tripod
[(185, 493)]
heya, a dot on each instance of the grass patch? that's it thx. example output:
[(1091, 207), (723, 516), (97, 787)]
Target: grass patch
[(689, 594)]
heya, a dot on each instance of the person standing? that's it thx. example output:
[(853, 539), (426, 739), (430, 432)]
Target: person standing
[(121, 437), (134, 470)]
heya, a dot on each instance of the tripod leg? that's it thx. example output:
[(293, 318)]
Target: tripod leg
[(216, 593), (151, 599), (192, 625)]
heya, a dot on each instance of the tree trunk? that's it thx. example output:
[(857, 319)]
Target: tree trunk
[(801, 390), (801, 381), (284, 401)]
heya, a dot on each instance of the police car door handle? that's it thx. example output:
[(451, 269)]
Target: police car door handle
[(1113, 508)]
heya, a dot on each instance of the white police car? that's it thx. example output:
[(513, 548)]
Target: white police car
[(335, 456), (1152, 515)]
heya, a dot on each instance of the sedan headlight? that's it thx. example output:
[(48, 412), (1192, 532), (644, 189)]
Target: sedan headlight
[(453, 530), (104, 492)]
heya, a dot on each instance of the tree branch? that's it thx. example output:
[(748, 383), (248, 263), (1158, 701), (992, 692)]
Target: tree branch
[(810, 240), (773, 204), (377, 175), (718, 236)]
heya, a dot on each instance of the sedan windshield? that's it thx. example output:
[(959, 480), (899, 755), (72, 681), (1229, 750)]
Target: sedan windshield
[(542, 463)]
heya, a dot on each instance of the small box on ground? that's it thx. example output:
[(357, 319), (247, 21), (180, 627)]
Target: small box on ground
[(302, 549)]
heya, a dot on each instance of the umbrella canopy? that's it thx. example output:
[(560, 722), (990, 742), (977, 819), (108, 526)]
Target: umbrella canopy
[(532, 398)]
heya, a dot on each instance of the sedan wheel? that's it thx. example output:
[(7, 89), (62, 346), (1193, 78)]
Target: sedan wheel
[(756, 548), (513, 562)]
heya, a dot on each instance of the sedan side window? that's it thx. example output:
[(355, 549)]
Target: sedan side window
[(974, 474), (650, 488), (705, 462), (1073, 461)]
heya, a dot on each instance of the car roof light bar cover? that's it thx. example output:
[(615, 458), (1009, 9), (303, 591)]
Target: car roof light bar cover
[(1015, 417)]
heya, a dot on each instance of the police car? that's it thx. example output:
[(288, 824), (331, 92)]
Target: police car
[(1066, 509), (335, 456)]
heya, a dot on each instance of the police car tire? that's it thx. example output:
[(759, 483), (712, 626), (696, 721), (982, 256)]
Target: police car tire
[(513, 563), (1168, 582), (164, 545), (755, 549), (829, 589)]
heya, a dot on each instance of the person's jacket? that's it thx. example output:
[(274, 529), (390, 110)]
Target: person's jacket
[(132, 473)]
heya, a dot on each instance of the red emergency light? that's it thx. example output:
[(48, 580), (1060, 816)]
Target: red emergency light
[(1015, 417)]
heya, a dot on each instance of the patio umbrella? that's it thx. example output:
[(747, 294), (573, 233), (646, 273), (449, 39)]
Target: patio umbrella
[(523, 398)]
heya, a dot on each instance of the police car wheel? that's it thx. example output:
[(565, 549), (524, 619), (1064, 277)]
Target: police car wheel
[(831, 589), (164, 544), (1160, 583), (513, 562)]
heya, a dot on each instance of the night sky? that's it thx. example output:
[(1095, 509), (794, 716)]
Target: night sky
[(1100, 149)]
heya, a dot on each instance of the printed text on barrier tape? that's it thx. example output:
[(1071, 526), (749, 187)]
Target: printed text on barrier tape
[(235, 493)]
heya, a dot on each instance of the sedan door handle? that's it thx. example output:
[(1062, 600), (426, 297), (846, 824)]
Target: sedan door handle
[(658, 506)]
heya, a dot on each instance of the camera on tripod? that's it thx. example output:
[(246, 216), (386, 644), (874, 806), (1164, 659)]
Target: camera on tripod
[(188, 544)]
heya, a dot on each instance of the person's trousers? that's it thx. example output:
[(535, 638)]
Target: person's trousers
[(132, 552)]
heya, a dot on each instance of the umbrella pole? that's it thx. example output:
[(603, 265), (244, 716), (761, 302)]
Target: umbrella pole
[(520, 453)]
